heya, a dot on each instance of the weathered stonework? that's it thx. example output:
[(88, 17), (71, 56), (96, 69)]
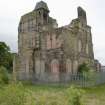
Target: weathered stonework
[(45, 48)]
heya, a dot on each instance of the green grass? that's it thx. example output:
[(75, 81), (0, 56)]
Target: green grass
[(95, 95), (57, 94), (92, 96)]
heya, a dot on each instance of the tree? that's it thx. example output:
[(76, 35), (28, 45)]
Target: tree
[(83, 68), (6, 57)]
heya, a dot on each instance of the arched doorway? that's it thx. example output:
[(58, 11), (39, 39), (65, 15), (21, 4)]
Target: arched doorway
[(55, 70)]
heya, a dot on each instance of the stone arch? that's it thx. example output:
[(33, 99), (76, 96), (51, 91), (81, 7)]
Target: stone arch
[(79, 46), (68, 66), (75, 66), (55, 70), (55, 66)]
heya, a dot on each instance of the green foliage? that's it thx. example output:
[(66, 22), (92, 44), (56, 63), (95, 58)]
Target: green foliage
[(6, 57), (4, 79), (91, 77), (48, 98), (19, 94), (74, 96), (12, 95), (15, 94), (70, 96), (83, 68)]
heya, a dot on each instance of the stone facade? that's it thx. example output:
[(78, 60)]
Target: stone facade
[(43, 47)]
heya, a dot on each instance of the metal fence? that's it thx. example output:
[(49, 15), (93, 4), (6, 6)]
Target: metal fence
[(83, 80)]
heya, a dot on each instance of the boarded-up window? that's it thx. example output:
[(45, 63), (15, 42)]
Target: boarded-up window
[(55, 66)]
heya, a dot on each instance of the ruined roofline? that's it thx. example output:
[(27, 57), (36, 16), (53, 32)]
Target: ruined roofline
[(80, 11), (81, 17)]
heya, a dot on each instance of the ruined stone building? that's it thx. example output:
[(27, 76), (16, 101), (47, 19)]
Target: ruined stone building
[(46, 50)]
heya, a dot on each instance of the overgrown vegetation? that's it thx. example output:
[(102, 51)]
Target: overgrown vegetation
[(28, 94), (19, 94), (15, 94), (83, 68), (6, 57), (74, 96), (4, 78)]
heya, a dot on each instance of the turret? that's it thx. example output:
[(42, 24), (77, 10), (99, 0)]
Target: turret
[(42, 12), (82, 16)]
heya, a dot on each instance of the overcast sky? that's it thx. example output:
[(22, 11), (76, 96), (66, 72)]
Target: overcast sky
[(62, 10)]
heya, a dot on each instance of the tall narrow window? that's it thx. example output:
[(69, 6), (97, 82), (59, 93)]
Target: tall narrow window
[(45, 17), (55, 69), (55, 66)]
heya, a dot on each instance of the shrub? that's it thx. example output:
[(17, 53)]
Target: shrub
[(47, 98), (18, 94), (74, 96), (4, 78), (15, 94), (12, 95), (83, 68)]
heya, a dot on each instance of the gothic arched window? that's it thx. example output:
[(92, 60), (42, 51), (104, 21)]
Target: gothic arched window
[(55, 66)]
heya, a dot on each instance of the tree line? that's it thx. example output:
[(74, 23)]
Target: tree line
[(6, 57)]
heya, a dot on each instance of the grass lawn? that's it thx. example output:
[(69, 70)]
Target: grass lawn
[(92, 96), (95, 95), (50, 94)]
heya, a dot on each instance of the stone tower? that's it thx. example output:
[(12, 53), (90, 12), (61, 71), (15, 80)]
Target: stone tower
[(46, 51)]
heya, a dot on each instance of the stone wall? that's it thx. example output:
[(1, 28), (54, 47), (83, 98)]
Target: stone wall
[(45, 48)]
